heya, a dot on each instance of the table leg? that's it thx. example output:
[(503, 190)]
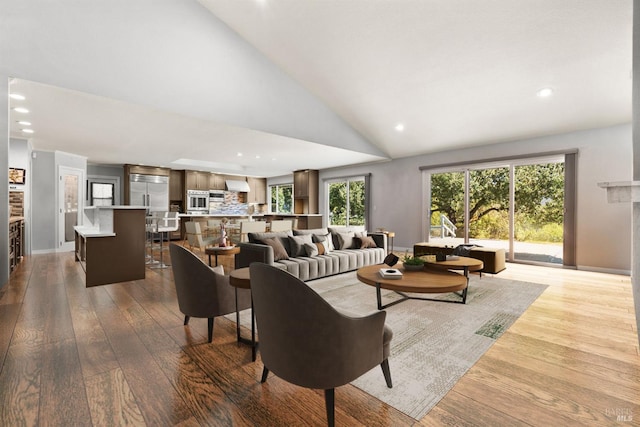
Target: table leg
[(464, 293), (252, 343), (217, 264)]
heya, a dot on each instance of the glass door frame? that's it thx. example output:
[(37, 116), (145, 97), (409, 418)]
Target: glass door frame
[(567, 158), (60, 235)]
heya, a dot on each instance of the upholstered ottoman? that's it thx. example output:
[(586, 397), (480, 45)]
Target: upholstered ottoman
[(493, 258)]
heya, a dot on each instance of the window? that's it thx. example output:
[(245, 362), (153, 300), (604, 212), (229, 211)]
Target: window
[(281, 200), (101, 194), (347, 201)]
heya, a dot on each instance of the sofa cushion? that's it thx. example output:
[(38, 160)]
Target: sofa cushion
[(296, 244), (279, 252), (311, 231)]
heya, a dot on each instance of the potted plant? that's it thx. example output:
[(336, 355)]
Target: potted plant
[(412, 263)]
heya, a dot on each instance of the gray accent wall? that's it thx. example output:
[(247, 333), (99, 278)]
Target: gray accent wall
[(603, 231), (43, 213)]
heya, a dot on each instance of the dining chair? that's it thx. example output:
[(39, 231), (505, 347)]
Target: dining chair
[(213, 228), (195, 238), (281, 225), (250, 227)]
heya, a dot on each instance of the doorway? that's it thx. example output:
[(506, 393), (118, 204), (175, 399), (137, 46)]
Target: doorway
[(70, 206)]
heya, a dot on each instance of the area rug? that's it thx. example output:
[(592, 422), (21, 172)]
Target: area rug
[(434, 343)]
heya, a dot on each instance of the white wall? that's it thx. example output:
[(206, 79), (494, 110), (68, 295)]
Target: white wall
[(142, 52), (603, 230)]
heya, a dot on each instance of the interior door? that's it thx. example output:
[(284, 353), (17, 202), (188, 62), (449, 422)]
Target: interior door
[(70, 206)]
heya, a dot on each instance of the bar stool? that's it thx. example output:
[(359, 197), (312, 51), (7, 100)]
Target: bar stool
[(167, 224), (151, 229)]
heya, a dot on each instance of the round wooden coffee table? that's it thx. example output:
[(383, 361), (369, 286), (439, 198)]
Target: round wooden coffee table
[(220, 250), (420, 282), (463, 263)]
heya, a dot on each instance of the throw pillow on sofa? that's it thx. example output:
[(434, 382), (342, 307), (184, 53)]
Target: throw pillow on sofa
[(296, 243), (312, 249), (279, 253), (326, 239), (365, 242), (346, 240)]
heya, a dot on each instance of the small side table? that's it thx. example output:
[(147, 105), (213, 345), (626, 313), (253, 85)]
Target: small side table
[(240, 279), (217, 250), (390, 235)]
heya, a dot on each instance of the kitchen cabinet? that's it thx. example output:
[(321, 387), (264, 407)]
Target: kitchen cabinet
[(145, 170), (305, 190), (258, 193), (197, 180), (176, 187), (16, 241), (216, 181)]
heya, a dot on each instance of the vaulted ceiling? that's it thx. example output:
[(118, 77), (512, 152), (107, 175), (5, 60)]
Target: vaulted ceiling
[(310, 84)]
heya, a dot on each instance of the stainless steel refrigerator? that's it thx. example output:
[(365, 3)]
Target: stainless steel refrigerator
[(149, 190)]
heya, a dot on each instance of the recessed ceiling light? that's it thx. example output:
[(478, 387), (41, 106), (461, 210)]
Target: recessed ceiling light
[(20, 110), (17, 96), (399, 127), (27, 130), (24, 123), (239, 154), (545, 92), (257, 157)]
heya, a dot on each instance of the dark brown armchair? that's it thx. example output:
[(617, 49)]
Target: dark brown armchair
[(202, 292), (307, 342)]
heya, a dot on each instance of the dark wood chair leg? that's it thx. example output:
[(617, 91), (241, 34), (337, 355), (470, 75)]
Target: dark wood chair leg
[(265, 373), (210, 322), (330, 403), (186, 320), (387, 372)]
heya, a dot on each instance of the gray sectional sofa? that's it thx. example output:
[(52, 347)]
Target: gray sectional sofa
[(315, 253)]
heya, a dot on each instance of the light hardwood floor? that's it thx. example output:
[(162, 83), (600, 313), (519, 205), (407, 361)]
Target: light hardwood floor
[(119, 355)]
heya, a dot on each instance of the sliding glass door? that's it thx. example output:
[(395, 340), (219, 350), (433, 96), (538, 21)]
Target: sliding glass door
[(488, 213), (447, 207), (539, 212), (518, 206)]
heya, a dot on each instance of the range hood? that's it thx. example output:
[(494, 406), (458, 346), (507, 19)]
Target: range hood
[(239, 186)]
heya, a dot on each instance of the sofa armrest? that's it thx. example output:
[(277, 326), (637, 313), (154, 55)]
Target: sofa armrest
[(380, 239), (253, 252)]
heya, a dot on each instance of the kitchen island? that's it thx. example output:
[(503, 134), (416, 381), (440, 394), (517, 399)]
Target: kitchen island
[(111, 246)]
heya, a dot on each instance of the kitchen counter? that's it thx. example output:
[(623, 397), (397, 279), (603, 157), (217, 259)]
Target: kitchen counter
[(305, 221), (111, 246)]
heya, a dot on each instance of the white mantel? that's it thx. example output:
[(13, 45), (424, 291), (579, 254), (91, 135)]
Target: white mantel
[(622, 191)]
